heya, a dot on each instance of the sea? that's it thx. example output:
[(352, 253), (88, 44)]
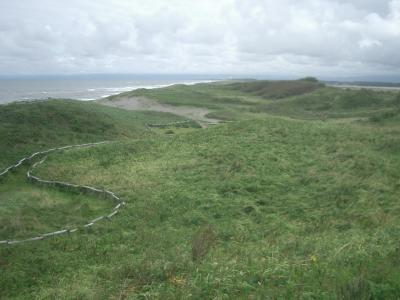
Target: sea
[(87, 88)]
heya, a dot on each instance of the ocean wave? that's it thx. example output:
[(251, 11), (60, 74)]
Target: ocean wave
[(119, 89), (153, 86), (86, 99), (85, 93)]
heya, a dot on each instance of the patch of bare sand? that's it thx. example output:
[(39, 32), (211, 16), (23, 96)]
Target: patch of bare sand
[(142, 103)]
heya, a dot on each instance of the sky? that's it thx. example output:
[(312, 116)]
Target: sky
[(285, 38)]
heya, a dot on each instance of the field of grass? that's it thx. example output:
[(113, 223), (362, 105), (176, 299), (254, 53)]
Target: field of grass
[(219, 95), (29, 127), (28, 210), (301, 99), (266, 207), (210, 95), (278, 89), (336, 103)]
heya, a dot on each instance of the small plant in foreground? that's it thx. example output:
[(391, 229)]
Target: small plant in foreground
[(202, 242)]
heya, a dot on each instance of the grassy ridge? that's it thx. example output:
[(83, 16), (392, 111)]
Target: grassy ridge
[(278, 89), (334, 103), (219, 95), (304, 99), (29, 127), (211, 95), (27, 210), (266, 208), (227, 100)]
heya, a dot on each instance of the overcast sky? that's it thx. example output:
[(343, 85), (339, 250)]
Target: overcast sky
[(282, 38)]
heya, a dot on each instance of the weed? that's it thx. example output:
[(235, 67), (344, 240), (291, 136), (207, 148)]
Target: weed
[(203, 240)]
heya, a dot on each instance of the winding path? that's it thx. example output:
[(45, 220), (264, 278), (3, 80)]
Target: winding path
[(101, 192)]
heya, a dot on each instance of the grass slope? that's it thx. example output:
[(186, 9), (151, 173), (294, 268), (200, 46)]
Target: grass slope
[(226, 100), (257, 209), (27, 210), (278, 89), (267, 208), (336, 103), (29, 127), (302, 99)]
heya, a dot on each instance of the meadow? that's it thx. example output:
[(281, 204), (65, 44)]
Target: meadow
[(295, 197)]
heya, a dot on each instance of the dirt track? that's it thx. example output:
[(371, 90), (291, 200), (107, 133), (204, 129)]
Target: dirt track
[(143, 103)]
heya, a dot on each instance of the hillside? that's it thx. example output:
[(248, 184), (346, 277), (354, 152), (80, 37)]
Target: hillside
[(220, 94), (278, 89), (335, 103), (274, 208), (226, 100), (32, 126), (300, 99), (27, 210), (297, 198)]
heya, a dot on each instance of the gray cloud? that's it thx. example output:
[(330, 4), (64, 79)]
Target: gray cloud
[(286, 37)]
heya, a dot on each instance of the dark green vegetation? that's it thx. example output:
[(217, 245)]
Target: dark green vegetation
[(29, 127), (27, 210), (278, 89), (335, 103), (264, 208), (220, 95), (301, 99)]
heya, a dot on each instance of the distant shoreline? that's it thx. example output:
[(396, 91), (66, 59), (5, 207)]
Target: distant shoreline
[(370, 87), (82, 90)]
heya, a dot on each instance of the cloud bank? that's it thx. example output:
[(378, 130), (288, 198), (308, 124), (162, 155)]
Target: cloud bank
[(283, 38)]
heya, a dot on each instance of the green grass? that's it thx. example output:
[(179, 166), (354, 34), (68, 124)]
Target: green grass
[(278, 89), (331, 102), (29, 127), (296, 209), (301, 99), (266, 207), (28, 210), (222, 95), (212, 96), (226, 100)]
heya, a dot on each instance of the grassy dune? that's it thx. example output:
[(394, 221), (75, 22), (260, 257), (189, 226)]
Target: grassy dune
[(266, 207), (213, 96), (27, 210), (278, 89), (302, 99), (28, 127), (335, 103)]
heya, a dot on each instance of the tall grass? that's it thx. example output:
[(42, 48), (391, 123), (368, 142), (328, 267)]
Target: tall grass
[(296, 209), (263, 208), (29, 127)]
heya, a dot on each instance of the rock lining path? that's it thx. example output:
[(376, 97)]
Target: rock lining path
[(101, 192)]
